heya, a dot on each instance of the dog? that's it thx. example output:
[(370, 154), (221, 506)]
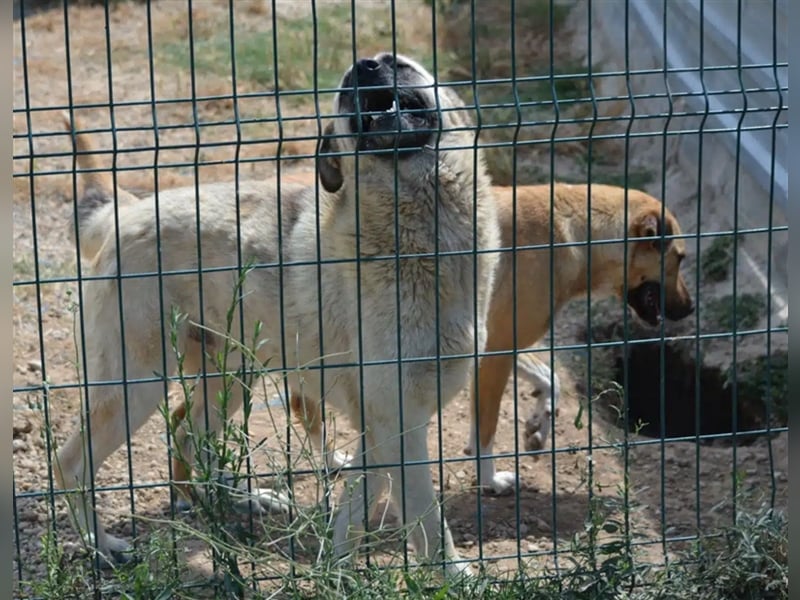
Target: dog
[(530, 224), (400, 176)]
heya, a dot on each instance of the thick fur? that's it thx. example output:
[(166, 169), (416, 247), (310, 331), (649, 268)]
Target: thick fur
[(570, 223), (435, 196)]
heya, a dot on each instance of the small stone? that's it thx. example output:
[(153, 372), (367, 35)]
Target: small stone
[(461, 474), (542, 525), (533, 548), (31, 517), (23, 427), (34, 366), (18, 445)]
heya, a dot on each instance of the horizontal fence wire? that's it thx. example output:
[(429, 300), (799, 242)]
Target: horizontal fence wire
[(663, 435)]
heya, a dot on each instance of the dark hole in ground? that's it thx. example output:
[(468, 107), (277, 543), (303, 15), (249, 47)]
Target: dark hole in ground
[(680, 394)]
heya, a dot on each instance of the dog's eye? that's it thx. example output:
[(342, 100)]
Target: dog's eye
[(537, 393)]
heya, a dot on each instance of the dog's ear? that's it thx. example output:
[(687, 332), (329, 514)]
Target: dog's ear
[(650, 225), (329, 167)]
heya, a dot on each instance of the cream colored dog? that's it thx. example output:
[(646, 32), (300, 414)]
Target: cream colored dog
[(570, 224), (399, 175)]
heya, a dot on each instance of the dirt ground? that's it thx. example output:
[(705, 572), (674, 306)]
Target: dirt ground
[(667, 502)]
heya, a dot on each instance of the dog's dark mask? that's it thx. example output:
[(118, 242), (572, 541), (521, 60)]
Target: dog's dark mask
[(381, 119)]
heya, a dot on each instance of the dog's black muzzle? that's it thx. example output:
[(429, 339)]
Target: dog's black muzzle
[(645, 300), (386, 115)]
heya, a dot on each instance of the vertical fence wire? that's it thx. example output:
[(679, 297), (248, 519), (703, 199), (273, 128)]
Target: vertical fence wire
[(282, 274), (151, 70), (770, 225), (399, 315), (698, 215), (551, 241), (85, 423), (627, 256), (475, 88), (365, 452), (515, 316), (735, 270), (247, 399), (437, 288), (662, 400), (45, 390), (120, 301)]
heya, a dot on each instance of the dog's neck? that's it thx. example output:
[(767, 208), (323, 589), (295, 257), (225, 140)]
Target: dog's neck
[(604, 261), (420, 201)]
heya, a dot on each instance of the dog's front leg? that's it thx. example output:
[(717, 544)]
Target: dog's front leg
[(485, 410), (309, 413), (355, 501), (413, 496)]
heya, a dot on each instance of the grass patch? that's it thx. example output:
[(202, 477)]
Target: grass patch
[(767, 378), (716, 261), (515, 110), (719, 311), (255, 44), (254, 51), (635, 179), (749, 561), (23, 267)]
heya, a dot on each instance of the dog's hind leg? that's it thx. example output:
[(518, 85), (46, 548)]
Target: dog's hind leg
[(88, 447), (216, 397), (493, 374), (547, 389)]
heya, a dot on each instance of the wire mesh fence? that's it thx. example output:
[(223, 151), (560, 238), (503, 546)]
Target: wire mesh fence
[(307, 293)]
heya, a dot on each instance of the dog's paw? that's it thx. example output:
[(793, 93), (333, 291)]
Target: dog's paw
[(459, 573), (264, 501), (183, 505), (537, 429), (501, 484), (338, 460), (113, 552), (535, 432)]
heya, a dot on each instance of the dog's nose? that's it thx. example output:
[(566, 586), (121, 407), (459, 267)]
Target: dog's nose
[(367, 64)]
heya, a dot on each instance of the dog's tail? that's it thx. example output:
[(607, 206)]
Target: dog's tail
[(96, 193)]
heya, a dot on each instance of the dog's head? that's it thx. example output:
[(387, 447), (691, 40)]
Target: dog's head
[(644, 268), (390, 108)]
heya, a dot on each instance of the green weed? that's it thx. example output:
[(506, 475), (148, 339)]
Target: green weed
[(749, 310)]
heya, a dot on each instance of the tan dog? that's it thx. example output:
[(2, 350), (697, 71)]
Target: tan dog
[(412, 189), (608, 274)]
